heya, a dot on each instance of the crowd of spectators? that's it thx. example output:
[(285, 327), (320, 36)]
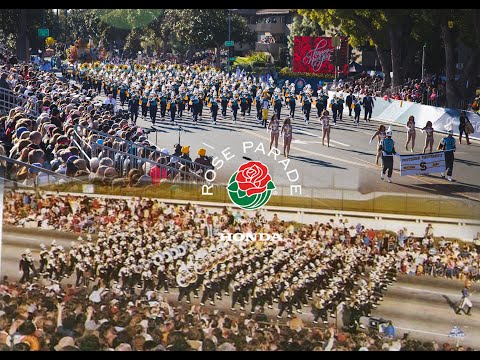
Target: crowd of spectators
[(55, 318), (267, 20), (267, 39), (361, 84), (427, 91), (426, 256), (47, 140)]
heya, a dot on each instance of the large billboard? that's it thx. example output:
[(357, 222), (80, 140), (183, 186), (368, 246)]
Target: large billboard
[(317, 55)]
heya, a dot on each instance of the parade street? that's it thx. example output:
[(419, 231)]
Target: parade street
[(349, 162)]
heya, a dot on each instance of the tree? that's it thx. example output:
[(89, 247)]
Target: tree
[(22, 36), (362, 26), (23, 25), (303, 26), (207, 28), (457, 27)]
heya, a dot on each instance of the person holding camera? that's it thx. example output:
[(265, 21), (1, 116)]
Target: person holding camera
[(464, 127)]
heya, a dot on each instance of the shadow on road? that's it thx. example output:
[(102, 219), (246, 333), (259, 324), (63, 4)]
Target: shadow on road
[(467, 162), (357, 151), (316, 162), (450, 303)]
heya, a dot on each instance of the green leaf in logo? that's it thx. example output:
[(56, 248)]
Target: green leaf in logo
[(232, 184), (271, 185), (241, 193)]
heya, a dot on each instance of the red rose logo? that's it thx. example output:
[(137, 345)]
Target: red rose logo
[(250, 187), (253, 178)]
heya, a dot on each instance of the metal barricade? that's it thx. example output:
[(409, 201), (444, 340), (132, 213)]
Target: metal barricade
[(136, 153), (9, 169), (124, 162), (9, 100)]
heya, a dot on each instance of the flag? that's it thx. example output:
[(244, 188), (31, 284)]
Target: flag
[(456, 332)]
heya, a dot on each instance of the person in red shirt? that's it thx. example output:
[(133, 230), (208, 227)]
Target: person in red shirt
[(371, 234), (158, 173)]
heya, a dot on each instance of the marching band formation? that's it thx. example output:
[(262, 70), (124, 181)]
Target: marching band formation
[(308, 267), (175, 88)]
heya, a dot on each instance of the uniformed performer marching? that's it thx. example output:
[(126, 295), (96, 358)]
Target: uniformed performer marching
[(387, 147), (447, 144)]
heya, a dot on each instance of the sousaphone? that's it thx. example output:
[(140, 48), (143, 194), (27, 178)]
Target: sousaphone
[(182, 278), (168, 256), (158, 258), (182, 250)]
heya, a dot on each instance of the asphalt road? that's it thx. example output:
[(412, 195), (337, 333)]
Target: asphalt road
[(420, 306), (348, 164)]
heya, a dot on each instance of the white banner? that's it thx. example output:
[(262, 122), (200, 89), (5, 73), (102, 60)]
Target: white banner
[(420, 164)]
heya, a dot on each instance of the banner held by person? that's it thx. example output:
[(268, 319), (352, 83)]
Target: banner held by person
[(420, 164)]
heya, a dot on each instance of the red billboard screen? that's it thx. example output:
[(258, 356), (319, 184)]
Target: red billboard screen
[(317, 55)]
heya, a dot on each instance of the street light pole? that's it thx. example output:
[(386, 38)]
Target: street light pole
[(423, 60), (43, 26), (65, 30), (229, 34), (336, 55), (179, 131)]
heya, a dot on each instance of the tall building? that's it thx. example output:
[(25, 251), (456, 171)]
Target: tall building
[(272, 27)]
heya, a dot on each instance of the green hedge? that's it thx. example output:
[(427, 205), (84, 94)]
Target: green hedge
[(289, 73)]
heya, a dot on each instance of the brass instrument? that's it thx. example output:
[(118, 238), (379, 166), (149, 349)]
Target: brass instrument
[(186, 274), (201, 267), (182, 250), (184, 278), (109, 67), (168, 256), (158, 258), (84, 66)]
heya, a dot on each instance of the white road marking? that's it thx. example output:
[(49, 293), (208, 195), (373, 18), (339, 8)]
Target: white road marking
[(369, 133), (308, 133), (427, 291), (304, 142), (9, 235), (211, 147), (339, 143), (421, 331)]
